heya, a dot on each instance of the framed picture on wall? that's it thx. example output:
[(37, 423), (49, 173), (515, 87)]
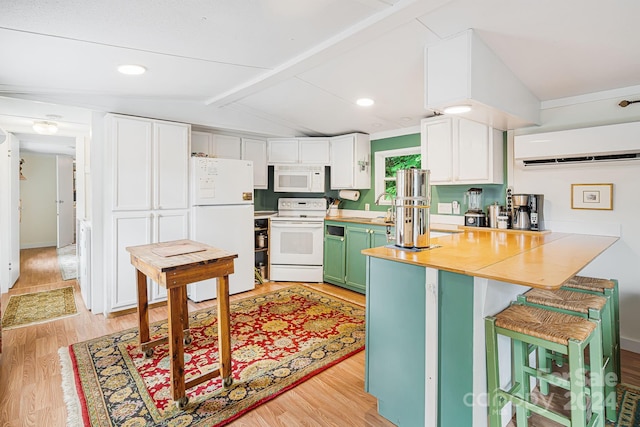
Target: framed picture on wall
[(592, 196)]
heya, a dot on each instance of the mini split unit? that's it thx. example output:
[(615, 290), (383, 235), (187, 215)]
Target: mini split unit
[(611, 143)]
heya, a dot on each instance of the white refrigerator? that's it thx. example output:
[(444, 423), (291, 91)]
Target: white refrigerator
[(222, 216)]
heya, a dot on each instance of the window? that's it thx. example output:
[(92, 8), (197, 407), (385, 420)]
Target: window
[(387, 163)]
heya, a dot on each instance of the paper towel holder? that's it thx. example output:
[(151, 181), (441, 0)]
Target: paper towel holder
[(352, 195)]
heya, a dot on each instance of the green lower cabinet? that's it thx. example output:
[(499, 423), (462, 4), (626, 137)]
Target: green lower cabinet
[(396, 344), (334, 259), (344, 264)]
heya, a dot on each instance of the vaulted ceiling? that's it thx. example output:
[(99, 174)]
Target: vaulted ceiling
[(292, 67)]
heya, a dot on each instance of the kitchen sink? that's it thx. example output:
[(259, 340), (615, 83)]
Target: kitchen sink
[(381, 221)]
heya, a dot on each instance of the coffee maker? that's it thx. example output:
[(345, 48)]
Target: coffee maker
[(475, 216), (521, 218), (536, 205)]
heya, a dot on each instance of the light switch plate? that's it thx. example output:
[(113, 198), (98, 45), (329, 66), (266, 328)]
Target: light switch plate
[(445, 208)]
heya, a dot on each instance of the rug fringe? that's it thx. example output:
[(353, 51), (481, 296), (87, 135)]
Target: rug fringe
[(69, 391)]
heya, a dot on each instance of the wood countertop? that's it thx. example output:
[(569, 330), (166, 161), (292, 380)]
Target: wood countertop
[(543, 261)]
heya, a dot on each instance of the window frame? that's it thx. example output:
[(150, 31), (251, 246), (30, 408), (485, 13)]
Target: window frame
[(379, 165)]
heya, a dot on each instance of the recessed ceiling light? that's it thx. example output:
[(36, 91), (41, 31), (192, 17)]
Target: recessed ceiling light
[(132, 69), (45, 128), (365, 102), (457, 109)]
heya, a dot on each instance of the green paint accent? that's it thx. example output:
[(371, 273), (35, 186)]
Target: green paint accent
[(395, 341), (344, 264), (268, 200), (455, 341)]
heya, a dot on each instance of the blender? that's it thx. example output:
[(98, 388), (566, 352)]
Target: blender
[(474, 216)]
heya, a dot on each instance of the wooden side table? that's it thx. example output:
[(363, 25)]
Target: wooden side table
[(174, 265)]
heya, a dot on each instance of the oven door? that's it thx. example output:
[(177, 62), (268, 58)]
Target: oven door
[(296, 242)]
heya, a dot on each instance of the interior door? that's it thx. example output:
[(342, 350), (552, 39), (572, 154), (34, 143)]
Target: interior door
[(64, 202), (14, 212)]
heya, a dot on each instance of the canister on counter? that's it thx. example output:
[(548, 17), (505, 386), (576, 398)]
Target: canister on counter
[(494, 211)]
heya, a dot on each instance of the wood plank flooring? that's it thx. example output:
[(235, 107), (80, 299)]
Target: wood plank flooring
[(31, 395), (30, 379)]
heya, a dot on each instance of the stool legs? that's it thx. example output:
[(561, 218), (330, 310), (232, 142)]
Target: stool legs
[(493, 374), (519, 393)]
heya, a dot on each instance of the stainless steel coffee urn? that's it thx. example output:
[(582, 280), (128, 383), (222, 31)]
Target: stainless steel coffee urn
[(412, 202)]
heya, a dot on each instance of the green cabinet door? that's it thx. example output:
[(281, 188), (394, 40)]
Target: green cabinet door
[(358, 238), (334, 259)]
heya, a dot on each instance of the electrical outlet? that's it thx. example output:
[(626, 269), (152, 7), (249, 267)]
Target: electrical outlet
[(445, 208), (366, 206)]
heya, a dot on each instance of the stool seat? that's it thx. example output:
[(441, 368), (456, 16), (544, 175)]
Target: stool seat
[(566, 300), (545, 324), (589, 283)]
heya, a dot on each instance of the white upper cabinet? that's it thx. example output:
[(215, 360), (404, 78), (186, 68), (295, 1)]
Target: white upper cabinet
[(308, 151), (150, 164), (214, 145), (227, 147), (256, 151), (460, 151), (131, 143), (282, 150), (171, 148), (201, 142), (314, 151), (350, 162)]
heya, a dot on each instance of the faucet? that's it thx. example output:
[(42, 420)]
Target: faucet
[(380, 196)]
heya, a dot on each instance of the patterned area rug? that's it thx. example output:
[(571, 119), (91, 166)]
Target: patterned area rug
[(68, 262), (278, 340), (628, 410), (39, 307)]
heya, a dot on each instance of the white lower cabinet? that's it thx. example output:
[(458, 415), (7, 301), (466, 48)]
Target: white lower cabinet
[(140, 228)]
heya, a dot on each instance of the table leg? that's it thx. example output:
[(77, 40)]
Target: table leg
[(224, 331), (185, 319), (143, 308), (176, 314)]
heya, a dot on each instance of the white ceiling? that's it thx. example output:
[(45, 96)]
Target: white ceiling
[(291, 67)]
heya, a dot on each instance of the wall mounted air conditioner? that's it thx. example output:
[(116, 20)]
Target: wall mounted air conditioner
[(619, 142)]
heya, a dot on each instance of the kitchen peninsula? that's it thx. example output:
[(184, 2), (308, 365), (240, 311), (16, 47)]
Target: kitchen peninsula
[(425, 360)]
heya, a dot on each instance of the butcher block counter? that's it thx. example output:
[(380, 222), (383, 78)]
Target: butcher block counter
[(537, 260), (425, 349)]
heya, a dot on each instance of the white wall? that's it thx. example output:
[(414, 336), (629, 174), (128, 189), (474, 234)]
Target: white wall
[(38, 195), (5, 202), (622, 260)]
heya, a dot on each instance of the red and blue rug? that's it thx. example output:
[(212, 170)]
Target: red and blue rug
[(279, 340)]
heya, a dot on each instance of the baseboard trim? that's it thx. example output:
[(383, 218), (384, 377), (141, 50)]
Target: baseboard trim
[(630, 345), (38, 245)]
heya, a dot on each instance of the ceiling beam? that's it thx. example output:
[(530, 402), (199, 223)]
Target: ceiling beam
[(369, 29)]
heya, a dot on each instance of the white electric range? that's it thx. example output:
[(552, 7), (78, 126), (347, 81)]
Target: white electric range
[(297, 240)]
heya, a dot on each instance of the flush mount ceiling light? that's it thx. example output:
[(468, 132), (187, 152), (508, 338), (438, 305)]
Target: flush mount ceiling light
[(45, 128), (365, 102), (132, 69), (457, 109)]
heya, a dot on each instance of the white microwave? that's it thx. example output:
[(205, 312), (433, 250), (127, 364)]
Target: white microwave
[(298, 179)]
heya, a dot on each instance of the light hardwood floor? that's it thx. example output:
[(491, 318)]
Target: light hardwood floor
[(30, 379), (31, 394)]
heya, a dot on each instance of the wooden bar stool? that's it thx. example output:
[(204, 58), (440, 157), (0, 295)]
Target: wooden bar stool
[(553, 331), (608, 288), (586, 305)]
